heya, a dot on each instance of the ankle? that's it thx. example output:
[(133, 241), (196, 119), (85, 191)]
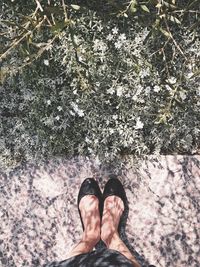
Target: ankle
[(115, 241), (91, 237), (109, 237)]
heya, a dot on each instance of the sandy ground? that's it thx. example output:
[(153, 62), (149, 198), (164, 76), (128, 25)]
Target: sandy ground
[(40, 221)]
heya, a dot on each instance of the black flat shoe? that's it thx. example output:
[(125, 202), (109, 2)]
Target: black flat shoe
[(115, 188), (90, 187)]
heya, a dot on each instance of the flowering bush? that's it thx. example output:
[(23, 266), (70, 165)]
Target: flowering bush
[(88, 83)]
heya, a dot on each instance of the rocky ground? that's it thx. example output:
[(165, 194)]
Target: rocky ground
[(40, 221)]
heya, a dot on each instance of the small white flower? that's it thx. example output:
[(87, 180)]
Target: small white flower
[(76, 39), (48, 121), (90, 150), (57, 118), (48, 102), (81, 58), (171, 80), (72, 113), (138, 40), (119, 91), (111, 131), (99, 46), (59, 108), (135, 97), (183, 95), (96, 44), (115, 30), (156, 88), (189, 75), (144, 72), (121, 131), (80, 113), (97, 160), (115, 117), (87, 140), (75, 106), (139, 124), (110, 91), (97, 84), (168, 87), (100, 28), (122, 37), (109, 37), (75, 92), (118, 44), (73, 83), (46, 62), (82, 50)]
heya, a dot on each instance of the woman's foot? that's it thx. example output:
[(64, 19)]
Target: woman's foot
[(89, 208), (112, 212), (113, 209)]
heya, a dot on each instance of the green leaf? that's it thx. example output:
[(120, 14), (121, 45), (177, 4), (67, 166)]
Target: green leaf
[(173, 19), (145, 8), (53, 10), (159, 5), (59, 26), (133, 5), (169, 5), (148, 36), (3, 73), (166, 33), (75, 7), (161, 119), (133, 10)]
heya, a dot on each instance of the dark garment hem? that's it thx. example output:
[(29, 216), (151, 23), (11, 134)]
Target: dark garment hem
[(97, 258)]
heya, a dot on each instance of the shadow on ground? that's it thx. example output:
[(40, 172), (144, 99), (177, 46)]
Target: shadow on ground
[(39, 215)]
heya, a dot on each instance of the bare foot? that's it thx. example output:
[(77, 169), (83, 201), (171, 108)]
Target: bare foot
[(89, 207), (113, 209)]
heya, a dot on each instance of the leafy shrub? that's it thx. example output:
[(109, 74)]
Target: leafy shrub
[(109, 79)]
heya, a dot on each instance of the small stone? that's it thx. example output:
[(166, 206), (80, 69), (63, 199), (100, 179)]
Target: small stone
[(177, 236)]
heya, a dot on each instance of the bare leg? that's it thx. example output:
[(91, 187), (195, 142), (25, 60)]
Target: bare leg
[(89, 207), (113, 208)]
